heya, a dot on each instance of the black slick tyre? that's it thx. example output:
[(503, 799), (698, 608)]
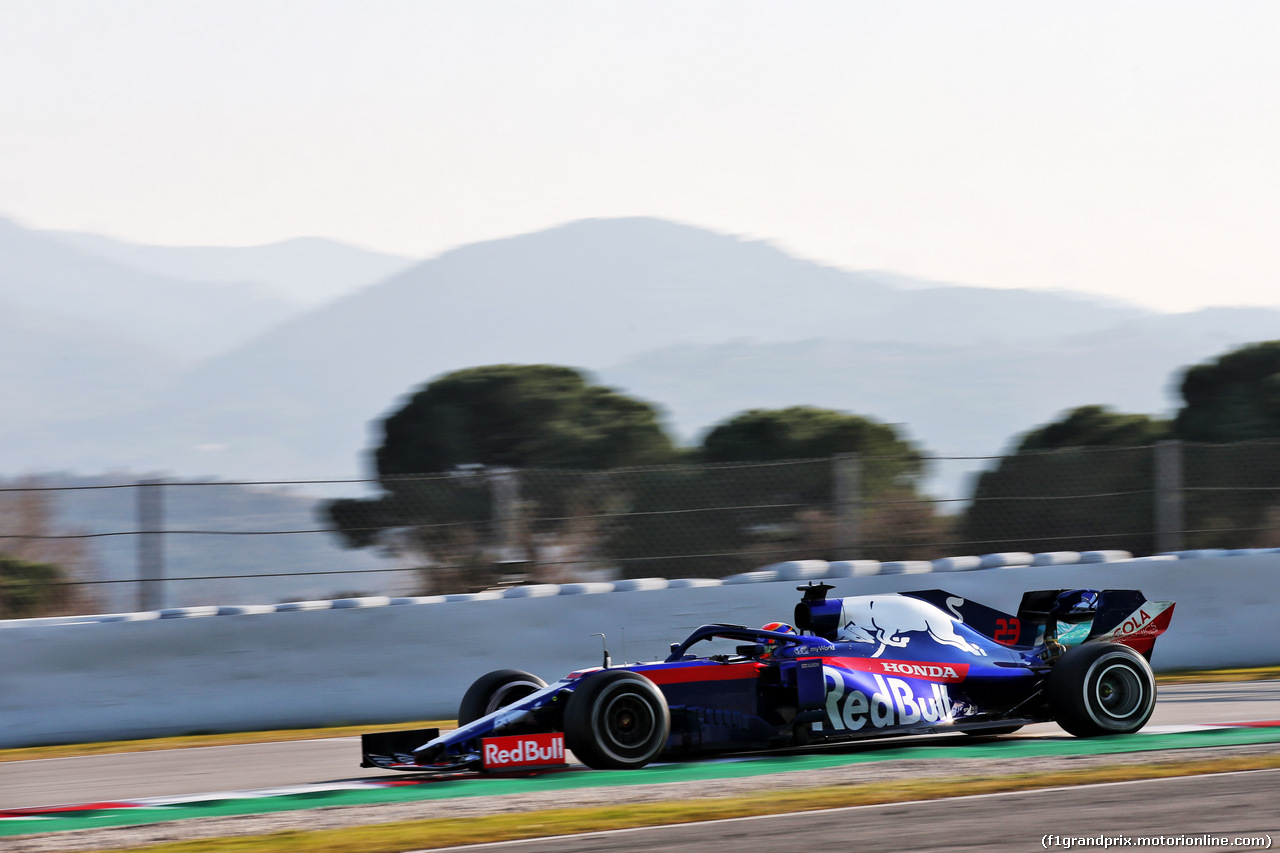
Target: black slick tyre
[(1101, 689), (616, 720), (495, 690)]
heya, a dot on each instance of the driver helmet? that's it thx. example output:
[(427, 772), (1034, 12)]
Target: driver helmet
[(771, 645)]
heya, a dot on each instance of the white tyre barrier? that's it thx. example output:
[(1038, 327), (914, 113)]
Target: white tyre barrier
[(641, 584), (906, 567), (366, 601), (596, 588), (1007, 560), (292, 606), (188, 612), (536, 590), (1056, 558), (1088, 557), (761, 576), (488, 595), (957, 564), (853, 568), (801, 570)]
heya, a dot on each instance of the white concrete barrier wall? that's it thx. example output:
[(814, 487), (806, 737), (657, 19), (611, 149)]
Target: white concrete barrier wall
[(388, 660)]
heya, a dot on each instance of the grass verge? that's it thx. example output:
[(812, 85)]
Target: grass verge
[(1262, 673), (447, 832)]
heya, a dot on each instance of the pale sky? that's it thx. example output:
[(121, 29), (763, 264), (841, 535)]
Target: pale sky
[(1130, 149)]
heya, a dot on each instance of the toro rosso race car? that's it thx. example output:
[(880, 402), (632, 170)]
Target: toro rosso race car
[(850, 668)]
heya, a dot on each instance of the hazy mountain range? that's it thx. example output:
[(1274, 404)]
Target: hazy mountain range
[(274, 362), (305, 270)]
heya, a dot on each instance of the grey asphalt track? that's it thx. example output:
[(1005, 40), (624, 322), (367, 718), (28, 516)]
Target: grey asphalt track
[(27, 784), (1228, 806)]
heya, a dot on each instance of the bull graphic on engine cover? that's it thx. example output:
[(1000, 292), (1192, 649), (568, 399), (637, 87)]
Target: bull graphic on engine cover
[(885, 619)]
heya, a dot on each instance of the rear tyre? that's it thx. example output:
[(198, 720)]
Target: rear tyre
[(1101, 689), (617, 720), (496, 690)]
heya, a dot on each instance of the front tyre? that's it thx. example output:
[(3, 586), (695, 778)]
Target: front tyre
[(498, 689), (1101, 689), (617, 720)]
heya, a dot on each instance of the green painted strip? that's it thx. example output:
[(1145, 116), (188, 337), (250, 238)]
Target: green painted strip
[(481, 786)]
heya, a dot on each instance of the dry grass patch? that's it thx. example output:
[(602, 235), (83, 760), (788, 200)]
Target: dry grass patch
[(1262, 673)]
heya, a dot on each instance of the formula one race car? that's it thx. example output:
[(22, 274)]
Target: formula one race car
[(851, 668)]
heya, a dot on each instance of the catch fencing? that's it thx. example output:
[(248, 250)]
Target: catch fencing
[(151, 544)]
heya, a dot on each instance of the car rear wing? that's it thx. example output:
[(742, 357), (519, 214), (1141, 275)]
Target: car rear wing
[(1126, 616), (1123, 616)]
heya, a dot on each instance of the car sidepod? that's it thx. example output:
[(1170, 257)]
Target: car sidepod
[(717, 705), (924, 691)]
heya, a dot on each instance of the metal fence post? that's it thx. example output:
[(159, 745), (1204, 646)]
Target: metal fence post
[(150, 545), (505, 485), (847, 497), (1168, 498)]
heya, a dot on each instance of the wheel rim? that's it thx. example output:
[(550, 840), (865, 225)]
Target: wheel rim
[(626, 723), (1119, 691)]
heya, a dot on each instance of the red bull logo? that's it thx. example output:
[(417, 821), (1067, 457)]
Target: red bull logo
[(891, 621), (538, 750), (892, 703)]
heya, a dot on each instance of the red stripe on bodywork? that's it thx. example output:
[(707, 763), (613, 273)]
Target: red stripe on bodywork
[(942, 673), (710, 672)]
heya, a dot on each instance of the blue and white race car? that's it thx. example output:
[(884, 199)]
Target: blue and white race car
[(850, 668)]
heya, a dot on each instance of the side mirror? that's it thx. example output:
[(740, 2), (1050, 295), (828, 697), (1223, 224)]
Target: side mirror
[(753, 650)]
